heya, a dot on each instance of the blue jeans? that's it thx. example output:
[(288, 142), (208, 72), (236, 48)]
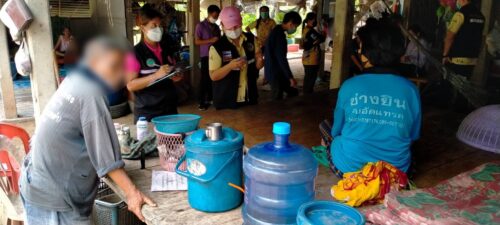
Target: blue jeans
[(39, 216)]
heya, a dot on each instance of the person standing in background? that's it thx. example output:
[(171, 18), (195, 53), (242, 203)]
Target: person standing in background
[(462, 44), (277, 70), (207, 32), (311, 41), (150, 63), (263, 25), (234, 64)]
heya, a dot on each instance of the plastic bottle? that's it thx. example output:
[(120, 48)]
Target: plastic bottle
[(279, 178), (142, 128)]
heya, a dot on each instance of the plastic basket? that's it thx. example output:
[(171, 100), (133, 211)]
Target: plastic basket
[(111, 210), (173, 124), (171, 148)]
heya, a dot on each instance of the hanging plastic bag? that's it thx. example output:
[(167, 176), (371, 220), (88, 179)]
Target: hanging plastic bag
[(16, 15), (22, 60)]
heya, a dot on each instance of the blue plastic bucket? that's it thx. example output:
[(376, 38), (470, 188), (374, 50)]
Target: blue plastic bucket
[(327, 212), (211, 167), (179, 123)]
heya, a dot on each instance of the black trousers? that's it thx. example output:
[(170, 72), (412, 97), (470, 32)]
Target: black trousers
[(463, 70), (311, 74), (205, 91), (280, 85)]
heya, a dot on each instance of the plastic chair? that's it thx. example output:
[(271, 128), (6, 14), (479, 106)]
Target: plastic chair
[(12, 131), (11, 201)]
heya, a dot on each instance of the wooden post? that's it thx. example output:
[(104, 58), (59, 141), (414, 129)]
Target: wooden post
[(342, 37), (39, 35), (6, 85), (319, 13), (406, 12), (194, 57), (129, 20), (481, 71)]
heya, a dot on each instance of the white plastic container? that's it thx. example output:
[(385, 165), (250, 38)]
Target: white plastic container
[(142, 128)]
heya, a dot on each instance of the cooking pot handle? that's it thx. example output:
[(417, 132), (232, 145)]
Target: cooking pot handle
[(189, 175)]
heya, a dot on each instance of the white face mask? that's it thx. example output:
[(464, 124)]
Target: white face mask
[(155, 34), (211, 20), (233, 34)]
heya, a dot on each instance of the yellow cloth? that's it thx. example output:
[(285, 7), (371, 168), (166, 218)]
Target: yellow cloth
[(263, 31), (311, 56), (456, 22), (215, 62), (368, 185)]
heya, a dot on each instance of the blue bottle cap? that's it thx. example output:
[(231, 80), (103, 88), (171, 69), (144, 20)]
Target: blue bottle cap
[(142, 118), (281, 128)]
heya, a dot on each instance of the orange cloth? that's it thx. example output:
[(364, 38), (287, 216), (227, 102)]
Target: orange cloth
[(369, 185)]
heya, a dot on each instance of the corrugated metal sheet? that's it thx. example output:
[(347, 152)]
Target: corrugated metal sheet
[(70, 8)]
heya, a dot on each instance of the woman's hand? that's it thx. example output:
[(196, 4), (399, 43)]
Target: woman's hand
[(162, 71), (237, 63)]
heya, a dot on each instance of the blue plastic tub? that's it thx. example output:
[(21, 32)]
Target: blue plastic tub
[(179, 123), (328, 213)]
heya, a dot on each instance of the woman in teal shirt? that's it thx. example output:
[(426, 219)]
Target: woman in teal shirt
[(378, 113)]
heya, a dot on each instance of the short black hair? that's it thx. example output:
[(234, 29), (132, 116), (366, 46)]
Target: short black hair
[(383, 44), (264, 7), (148, 13), (213, 9), (293, 17)]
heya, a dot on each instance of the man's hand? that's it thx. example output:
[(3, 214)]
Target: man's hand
[(135, 200), (293, 82)]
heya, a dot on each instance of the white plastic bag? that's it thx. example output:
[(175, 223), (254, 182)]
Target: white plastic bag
[(22, 59)]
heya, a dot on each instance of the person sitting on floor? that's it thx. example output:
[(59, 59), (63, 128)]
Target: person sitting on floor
[(234, 63), (378, 113)]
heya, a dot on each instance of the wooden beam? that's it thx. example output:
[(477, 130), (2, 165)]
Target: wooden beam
[(194, 56), (9, 110), (39, 36), (481, 71), (342, 37)]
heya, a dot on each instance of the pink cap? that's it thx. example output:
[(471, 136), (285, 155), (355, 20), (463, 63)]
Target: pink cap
[(230, 17)]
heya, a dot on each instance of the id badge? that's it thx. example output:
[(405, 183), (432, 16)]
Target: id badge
[(227, 56)]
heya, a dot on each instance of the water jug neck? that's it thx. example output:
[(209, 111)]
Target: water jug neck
[(281, 141)]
